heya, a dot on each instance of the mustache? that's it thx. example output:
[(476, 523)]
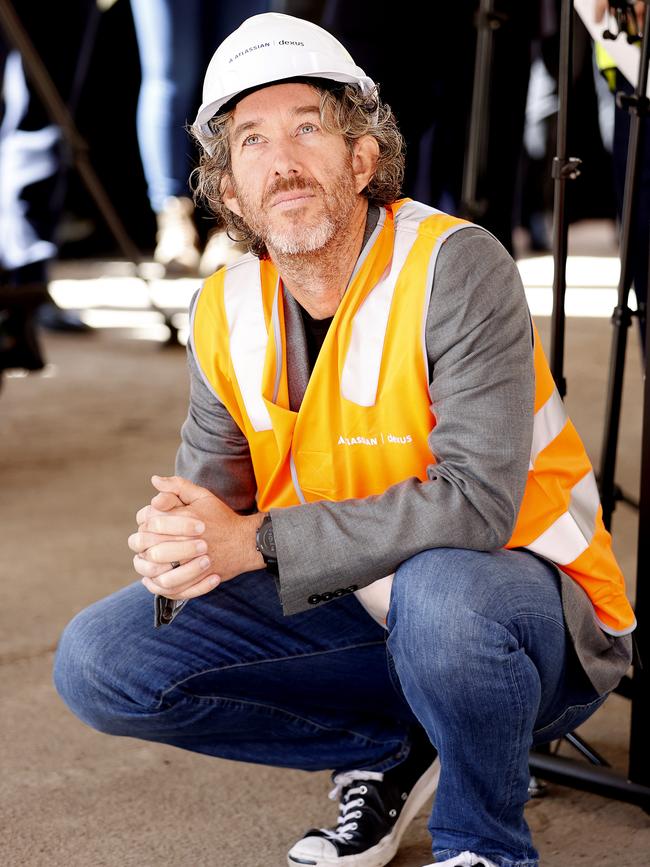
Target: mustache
[(284, 186)]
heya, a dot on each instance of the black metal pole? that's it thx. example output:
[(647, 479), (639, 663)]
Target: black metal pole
[(589, 778), (639, 768), (472, 206), (622, 316), (564, 169)]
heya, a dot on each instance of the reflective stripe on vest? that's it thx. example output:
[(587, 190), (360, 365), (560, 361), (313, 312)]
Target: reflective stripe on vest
[(365, 418), (242, 295), (360, 375)]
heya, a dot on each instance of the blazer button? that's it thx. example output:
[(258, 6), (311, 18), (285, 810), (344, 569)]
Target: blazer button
[(340, 592), (327, 596), (315, 599), (352, 588)]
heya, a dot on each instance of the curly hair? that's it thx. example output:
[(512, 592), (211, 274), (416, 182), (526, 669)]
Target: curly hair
[(345, 111)]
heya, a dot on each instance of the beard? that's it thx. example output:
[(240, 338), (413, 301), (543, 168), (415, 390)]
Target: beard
[(294, 233)]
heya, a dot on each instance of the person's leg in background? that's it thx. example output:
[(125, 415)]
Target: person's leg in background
[(29, 161), (30, 169), (175, 43), (25, 158), (168, 35), (219, 20), (480, 648)]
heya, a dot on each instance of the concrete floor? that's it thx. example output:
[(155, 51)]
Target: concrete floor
[(77, 446)]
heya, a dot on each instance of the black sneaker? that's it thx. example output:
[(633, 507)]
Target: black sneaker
[(374, 812)]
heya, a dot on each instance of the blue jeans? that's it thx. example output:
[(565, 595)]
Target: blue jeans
[(476, 651), (175, 42)]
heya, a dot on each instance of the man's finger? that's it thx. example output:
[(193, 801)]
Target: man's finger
[(172, 525), (147, 512), (140, 542), (176, 552), (185, 490), (182, 577), (173, 579), (145, 568), (205, 585)]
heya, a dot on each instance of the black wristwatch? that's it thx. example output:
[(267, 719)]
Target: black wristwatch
[(265, 544)]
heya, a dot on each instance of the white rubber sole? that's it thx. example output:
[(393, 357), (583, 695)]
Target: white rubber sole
[(384, 851)]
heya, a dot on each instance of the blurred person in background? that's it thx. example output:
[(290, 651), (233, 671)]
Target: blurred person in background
[(175, 40), (31, 179)]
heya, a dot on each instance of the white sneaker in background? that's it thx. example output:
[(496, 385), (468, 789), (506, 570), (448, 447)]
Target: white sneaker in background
[(177, 247), (219, 251)]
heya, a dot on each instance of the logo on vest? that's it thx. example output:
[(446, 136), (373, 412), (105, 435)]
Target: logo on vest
[(357, 441), (375, 441), (405, 440)]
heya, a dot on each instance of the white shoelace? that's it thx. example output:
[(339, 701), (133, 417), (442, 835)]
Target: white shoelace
[(344, 827)]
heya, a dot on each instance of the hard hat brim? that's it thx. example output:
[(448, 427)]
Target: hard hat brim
[(210, 109)]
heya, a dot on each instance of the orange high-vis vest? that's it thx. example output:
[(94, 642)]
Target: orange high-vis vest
[(365, 418)]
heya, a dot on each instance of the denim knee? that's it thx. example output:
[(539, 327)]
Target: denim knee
[(449, 604), (82, 672)]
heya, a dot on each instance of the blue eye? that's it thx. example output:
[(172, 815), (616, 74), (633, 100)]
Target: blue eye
[(247, 140), (310, 127)]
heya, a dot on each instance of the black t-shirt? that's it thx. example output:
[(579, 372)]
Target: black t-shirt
[(315, 332)]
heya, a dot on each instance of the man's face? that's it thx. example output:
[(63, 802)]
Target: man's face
[(292, 182)]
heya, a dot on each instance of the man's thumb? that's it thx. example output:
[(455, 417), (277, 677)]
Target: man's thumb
[(165, 501), (185, 490)]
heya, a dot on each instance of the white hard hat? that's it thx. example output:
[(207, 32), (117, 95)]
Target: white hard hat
[(272, 47)]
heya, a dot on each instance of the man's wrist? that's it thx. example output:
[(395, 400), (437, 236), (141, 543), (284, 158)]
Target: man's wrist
[(254, 559), (265, 544)]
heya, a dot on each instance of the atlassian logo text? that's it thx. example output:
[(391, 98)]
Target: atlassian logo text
[(248, 50), (375, 441), (357, 441)]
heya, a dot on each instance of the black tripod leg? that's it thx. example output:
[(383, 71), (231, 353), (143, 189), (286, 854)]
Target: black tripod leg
[(564, 169), (622, 314), (472, 206), (639, 769)]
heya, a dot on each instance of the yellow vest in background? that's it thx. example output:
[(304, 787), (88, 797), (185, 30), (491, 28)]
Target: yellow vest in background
[(364, 421)]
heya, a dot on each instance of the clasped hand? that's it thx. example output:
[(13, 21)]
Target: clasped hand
[(187, 525)]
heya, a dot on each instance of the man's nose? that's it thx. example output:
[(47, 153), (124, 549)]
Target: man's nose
[(286, 158)]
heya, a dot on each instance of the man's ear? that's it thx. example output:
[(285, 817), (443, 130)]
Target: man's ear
[(365, 153), (228, 195)]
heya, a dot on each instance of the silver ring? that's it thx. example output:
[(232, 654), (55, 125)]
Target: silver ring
[(175, 564)]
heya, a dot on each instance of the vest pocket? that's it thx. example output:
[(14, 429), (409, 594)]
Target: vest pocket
[(315, 474)]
